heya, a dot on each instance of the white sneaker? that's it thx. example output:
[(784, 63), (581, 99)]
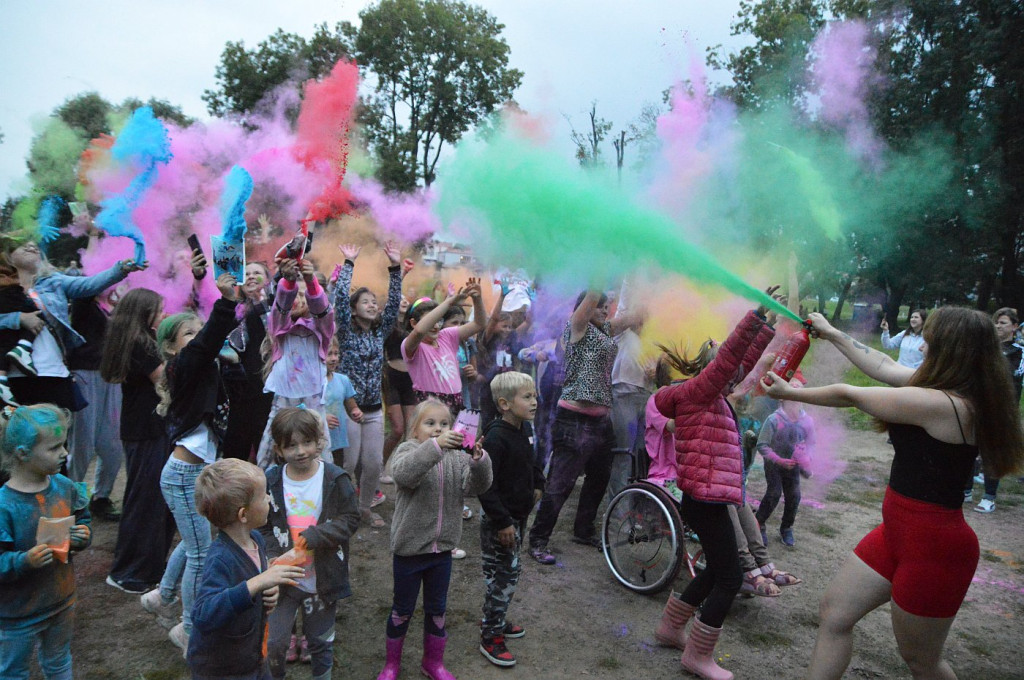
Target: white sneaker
[(979, 478), (458, 554), (985, 505), (968, 496), (387, 479), (165, 612), (180, 638)]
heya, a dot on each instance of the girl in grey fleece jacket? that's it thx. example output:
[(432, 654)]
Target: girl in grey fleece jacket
[(433, 477)]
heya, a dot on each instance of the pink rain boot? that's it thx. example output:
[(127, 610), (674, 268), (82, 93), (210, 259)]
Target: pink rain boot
[(433, 658), (393, 662), (671, 631), (699, 655)]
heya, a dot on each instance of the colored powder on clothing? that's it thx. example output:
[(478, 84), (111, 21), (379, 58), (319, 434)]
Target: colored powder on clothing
[(522, 204), (237, 190)]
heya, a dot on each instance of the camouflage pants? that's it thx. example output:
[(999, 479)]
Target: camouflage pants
[(501, 574)]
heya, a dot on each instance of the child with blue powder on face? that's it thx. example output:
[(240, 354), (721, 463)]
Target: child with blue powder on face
[(37, 581)]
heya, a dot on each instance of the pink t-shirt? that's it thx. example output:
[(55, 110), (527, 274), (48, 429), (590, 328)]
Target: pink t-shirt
[(435, 368)]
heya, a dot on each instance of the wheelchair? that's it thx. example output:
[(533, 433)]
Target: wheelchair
[(644, 539)]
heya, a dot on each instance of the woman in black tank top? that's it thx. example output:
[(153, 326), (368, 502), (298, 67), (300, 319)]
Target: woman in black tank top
[(921, 558)]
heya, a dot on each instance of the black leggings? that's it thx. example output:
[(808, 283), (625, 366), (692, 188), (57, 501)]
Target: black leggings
[(714, 589)]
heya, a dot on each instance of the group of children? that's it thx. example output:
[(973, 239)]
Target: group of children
[(282, 526)]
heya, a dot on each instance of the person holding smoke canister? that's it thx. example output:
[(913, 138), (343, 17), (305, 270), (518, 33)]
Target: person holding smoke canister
[(921, 559), (709, 470)]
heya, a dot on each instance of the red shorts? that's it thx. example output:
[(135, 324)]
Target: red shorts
[(926, 551)]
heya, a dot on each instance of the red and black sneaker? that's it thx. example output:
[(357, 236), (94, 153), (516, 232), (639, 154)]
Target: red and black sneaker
[(495, 651), (514, 632)]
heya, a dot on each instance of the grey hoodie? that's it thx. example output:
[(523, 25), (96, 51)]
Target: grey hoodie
[(432, 485)]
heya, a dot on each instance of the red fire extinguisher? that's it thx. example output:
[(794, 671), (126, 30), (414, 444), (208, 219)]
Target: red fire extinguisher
[(792, 353)]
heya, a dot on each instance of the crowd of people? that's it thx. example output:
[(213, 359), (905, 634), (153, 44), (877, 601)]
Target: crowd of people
[(255, 431)]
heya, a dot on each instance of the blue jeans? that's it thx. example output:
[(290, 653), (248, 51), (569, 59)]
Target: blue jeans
[(54, 636), (178, 484)]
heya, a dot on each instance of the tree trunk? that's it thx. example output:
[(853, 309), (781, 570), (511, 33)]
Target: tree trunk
[(892, 307), (838, 313)]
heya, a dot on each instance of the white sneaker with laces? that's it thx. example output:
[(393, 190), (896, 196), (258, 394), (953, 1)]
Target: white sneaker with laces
[(985, 505)]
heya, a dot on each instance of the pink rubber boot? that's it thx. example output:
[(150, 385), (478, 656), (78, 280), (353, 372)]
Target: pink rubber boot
[(433, 658), (393, 662), (699, 655), (671, 631)]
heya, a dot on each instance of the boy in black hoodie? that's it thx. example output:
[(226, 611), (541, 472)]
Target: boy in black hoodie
[(517, 487)]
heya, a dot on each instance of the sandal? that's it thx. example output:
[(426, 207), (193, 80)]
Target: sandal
[(781, 578), (758, 584)]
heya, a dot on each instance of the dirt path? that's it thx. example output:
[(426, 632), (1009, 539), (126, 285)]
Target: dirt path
[(581, 623)]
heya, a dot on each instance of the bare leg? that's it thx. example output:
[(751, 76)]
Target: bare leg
[(396, 418), (856, 590), (920, 640)]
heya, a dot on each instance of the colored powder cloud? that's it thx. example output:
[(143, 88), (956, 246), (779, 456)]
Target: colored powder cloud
[(528, 206)]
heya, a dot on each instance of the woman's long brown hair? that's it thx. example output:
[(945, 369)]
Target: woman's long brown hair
[(130, 324), (964, 357)]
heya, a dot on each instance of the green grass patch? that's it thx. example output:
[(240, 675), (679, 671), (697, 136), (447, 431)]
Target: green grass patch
[(609, 663), (825, 530), (764, 638)]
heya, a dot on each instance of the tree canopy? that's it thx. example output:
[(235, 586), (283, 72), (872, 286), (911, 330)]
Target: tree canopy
[(952, 76), (437, 68)]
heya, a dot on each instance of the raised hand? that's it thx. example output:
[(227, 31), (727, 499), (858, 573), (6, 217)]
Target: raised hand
[(821, 326), (289, 269), (308, 272), (884, 325), (478, 449), (449, 439), (198, 264), (471, 289), (393, 252), (228, 286), (407, 266), (350, 251)]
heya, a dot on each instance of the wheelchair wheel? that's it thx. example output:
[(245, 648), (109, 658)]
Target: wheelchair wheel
[(642, 538)]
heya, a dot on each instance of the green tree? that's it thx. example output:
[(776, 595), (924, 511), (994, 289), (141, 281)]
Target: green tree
[(246, 76), (952, 76), (437, 67)]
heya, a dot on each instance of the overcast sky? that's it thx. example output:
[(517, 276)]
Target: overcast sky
[(621, 54)]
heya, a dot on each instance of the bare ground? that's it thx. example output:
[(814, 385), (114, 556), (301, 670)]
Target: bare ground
[(581, 623)]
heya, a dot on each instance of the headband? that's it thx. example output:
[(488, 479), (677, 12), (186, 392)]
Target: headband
[(422, 299)]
